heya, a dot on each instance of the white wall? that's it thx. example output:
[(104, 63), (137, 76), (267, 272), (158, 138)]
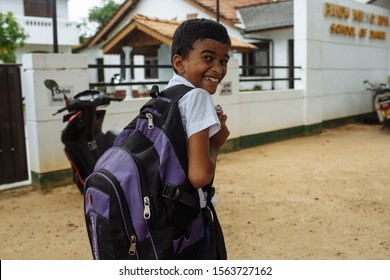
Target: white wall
[(16, 7), (164, 58), (44, 129), (335, 65), (39, 48), (62, 9)]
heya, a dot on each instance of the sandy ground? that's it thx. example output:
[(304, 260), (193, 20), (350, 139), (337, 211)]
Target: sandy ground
[(320, 197)]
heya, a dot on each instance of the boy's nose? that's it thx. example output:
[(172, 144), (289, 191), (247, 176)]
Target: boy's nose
[(217, 69)]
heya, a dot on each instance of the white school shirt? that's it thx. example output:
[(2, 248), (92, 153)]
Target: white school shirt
[(198, 113)]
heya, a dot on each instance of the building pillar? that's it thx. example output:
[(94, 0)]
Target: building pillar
[(127, 50), (305, 42), (49, 165)]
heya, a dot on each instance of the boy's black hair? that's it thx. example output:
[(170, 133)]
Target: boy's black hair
[(192, 30)]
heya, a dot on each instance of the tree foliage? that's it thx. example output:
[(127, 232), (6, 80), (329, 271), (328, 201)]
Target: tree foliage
[(98, 16), (101, 14), (11, 36)]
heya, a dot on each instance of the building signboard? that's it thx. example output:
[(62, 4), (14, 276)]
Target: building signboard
[(371, 22)]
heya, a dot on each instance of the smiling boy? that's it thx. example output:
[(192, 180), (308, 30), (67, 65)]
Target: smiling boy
[(199, 58)]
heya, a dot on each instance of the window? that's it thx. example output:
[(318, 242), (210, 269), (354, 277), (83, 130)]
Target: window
[(258, 57), (100, 70), (151, 72), (38, 8)]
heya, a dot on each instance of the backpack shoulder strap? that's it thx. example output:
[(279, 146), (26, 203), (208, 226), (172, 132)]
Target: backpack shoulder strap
[(175, 93)]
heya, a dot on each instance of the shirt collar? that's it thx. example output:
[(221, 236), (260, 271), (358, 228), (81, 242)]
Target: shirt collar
[(177, 80)]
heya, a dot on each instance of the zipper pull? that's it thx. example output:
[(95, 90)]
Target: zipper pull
[(149, 116), (146, 208), (133, 243)]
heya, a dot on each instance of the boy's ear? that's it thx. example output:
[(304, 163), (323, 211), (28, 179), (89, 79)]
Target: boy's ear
[(177, 62)]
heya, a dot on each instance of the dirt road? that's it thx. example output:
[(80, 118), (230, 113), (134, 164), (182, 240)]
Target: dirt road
[(320, 197)]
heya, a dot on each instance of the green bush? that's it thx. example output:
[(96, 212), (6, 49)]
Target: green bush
[(11, 36)]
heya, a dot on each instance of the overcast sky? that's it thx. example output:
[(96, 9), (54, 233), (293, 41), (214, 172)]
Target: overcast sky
[(78, 9)]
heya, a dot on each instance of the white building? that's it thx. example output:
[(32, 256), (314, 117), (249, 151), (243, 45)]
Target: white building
[(35, 17)]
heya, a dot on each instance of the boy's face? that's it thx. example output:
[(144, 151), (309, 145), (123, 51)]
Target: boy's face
[(205, 66)]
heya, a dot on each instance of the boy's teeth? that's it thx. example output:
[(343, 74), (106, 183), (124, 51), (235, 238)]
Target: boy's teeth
[(212, 79)]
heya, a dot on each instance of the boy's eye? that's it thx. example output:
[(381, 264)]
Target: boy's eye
[(224, 62), (209, 58)]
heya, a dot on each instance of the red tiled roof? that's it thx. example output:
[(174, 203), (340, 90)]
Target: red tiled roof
[(154, 31)]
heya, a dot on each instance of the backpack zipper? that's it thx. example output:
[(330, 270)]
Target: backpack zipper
[(144, 190), (127, 222), (133, 245), (146, 208), (147, 212), (148, 215), (149, 116)]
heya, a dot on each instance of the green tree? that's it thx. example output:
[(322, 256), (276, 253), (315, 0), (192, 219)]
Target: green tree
[(12, 36), (101, 14), (98, 16)]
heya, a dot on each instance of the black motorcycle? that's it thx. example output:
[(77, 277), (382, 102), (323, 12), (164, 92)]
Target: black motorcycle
[(82, 137)]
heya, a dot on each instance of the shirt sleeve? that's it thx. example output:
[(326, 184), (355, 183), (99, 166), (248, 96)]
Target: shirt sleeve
[(198, 112)]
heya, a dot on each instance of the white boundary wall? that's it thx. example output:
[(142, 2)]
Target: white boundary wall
[(249, 113)]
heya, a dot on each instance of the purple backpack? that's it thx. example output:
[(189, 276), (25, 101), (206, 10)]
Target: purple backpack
[(139, 203)]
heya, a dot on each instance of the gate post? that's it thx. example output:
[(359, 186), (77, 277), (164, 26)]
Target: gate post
[(49, 166), (13, 156)]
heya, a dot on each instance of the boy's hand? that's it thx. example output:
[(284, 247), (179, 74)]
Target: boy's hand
[(220, 137), (203, 152), (219, 110)]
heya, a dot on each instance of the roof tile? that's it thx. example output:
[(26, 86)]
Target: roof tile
[(162, 30), (264, 17)]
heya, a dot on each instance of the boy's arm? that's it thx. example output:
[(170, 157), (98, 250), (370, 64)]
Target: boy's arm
[(202, 154)]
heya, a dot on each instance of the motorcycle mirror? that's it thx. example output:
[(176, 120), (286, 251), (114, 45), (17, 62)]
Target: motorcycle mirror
[(117, 78)]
